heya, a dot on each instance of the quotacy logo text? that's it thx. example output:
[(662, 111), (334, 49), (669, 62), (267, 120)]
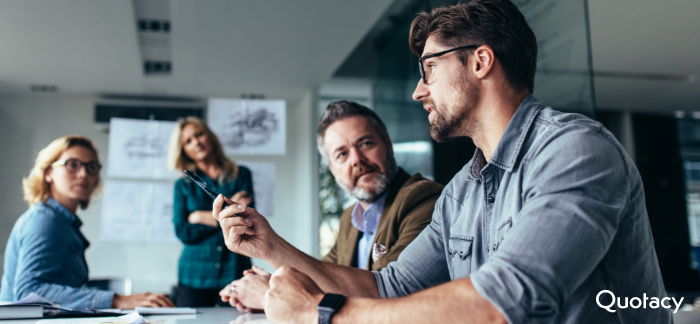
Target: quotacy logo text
[(637, 302)]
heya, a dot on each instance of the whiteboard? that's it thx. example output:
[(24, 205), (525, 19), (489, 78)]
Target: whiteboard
[(263, 185), (134, 211), (139, 149), (253, 127)]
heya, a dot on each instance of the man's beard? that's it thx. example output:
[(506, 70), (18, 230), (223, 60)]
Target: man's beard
[(380, 186), (458, 123)]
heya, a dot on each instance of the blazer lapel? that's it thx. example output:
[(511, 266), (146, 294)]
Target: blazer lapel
[(347, 252), (388, 214)]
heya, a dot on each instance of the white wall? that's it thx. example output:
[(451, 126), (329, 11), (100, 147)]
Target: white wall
[(29, 123)]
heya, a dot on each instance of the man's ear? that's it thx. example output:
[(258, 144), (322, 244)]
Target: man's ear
[(484, 61), (389, 146), (330, 167)]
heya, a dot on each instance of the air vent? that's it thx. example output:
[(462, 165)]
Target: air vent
[(153, 27), (43, 88), (258, 96), (154, 108)]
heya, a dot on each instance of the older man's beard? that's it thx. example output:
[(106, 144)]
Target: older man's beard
[(459, 123), (382, 183)]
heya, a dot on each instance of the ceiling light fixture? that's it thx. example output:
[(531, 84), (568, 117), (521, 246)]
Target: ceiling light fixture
[(153, 28)]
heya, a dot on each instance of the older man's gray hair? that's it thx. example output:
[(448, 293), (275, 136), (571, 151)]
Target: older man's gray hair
[(338, 110)]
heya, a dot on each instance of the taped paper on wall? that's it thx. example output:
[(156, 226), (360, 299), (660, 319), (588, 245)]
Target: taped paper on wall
[(264, 174), (135, 211), (139, 149), (255, 127)]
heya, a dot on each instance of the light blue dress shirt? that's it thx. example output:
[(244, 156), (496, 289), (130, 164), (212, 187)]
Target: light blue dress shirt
[(366, 221), (45, 254), (556, 216)]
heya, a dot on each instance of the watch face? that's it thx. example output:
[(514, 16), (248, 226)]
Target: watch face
[(331, 302)]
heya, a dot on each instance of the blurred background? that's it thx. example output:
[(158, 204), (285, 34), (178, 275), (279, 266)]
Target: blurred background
[(69, 66)]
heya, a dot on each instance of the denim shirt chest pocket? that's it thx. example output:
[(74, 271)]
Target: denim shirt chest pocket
[(460, 255)]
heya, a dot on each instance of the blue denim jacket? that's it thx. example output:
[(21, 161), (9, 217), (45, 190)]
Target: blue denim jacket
[(556, 216), (45, 254)]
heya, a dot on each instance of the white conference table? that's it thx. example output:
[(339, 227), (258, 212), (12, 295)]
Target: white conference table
[(226, 315), (209, 315)]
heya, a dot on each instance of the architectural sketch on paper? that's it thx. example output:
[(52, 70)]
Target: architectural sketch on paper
[(253, 128), (142, 146), (138, 149)]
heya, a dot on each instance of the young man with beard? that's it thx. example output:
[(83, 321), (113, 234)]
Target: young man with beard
[(548, 213), (393, 207)]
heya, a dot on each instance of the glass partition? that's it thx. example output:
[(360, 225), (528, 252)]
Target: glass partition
[(384, 64)]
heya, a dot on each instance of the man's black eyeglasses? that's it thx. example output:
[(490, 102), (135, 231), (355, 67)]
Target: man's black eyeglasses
[(420, 59), (73, 165)]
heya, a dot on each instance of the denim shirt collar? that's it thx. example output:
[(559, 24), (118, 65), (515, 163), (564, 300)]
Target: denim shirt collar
[(512, 139), (63, 211)]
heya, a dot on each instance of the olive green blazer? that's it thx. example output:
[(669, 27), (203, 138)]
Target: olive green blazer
[(407, 210)]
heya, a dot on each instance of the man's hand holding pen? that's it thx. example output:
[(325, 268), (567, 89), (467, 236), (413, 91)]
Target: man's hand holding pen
[(245, 230)]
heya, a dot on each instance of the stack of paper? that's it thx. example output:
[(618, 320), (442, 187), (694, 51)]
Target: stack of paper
[(31, 306), (21, 311), (165, 311), (133, 318)]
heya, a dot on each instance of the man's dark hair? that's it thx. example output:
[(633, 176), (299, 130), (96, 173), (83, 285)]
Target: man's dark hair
[(496, 23), (338, 110)]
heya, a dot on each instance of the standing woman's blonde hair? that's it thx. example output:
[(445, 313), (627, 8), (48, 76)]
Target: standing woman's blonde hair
[(179, 161), (35, 187)]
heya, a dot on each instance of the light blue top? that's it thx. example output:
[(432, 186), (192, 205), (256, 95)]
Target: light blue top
[(45, 254), (366, 221), (556, 216)]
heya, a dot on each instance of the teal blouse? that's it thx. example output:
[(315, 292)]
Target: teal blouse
[(206, 263)]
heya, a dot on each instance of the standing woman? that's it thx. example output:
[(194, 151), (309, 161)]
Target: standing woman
[(45, 253), (206, 265)]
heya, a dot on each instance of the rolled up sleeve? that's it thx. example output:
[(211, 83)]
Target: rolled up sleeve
[(421, 265), (574, 196)]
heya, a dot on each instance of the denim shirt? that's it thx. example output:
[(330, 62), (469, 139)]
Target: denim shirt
[(556, 216), (45, 254), (367, 221)]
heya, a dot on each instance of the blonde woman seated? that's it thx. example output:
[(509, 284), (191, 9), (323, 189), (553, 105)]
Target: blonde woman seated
[(45, 253), (206, 265)]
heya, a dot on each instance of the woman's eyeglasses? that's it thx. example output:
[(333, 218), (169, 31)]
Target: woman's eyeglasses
[(73, 165)]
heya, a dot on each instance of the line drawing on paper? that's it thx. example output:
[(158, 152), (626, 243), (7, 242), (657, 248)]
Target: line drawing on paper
[(141, 147), (254, 128)]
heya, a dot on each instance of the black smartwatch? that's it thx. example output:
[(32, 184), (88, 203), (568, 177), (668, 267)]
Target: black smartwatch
[(330, 304)]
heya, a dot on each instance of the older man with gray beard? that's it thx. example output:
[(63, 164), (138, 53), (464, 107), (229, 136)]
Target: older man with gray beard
[(393, 207)]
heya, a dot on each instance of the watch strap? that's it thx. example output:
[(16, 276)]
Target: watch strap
[(324, 317)]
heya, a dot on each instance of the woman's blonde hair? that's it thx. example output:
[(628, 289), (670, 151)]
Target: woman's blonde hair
[(179, 161), (35, 187)]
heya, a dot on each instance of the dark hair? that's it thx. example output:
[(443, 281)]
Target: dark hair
[(496, 23), (338, 110)]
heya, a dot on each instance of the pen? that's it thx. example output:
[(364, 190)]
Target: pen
[(204, 187)]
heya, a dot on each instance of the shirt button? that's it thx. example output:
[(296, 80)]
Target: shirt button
[(450, 251), (218, 248), (491, 200), (370, 233), (217, 265)]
